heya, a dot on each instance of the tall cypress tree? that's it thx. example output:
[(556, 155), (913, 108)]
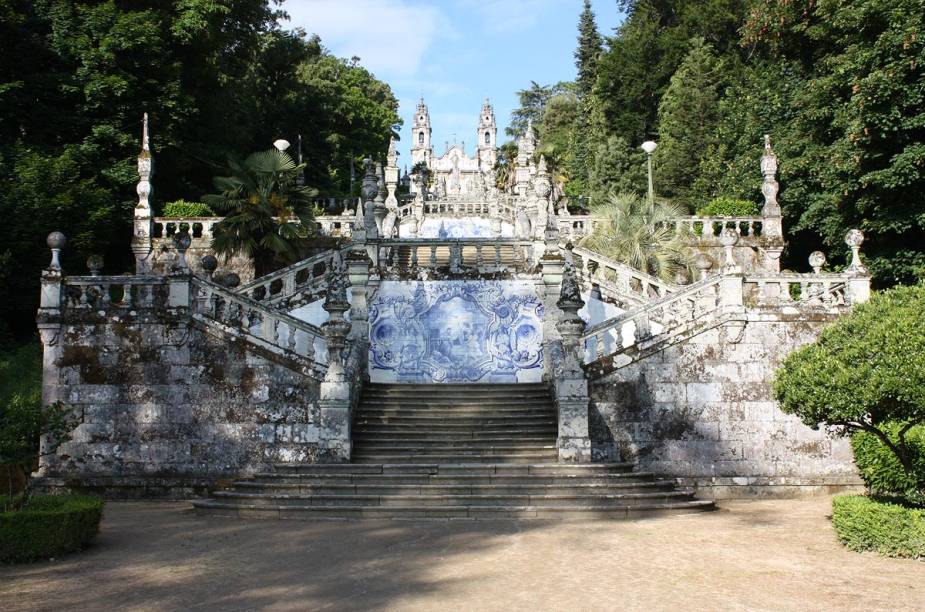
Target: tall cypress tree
[(590, 45)]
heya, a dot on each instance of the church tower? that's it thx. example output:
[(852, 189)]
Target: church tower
[(486, 138), (421, 149)]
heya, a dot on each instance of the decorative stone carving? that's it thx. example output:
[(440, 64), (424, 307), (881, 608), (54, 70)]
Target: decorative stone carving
[(728, 238), (854, 239), (816, 261), (703, 263), (141, 232), (55, 242), (769, 187), (336, 327), (95, 265)]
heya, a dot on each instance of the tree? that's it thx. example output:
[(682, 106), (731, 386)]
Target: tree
[(268, 216), (556, 138), (688, 114), (589, 49), (616, 169), (641, 234), (864, 373), (532, 106)]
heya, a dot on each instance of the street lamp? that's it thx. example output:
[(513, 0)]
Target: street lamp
[(281, 145), (649, 147)]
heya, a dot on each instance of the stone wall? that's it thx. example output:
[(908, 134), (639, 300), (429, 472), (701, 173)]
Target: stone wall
[(702, 410), (166, 408)]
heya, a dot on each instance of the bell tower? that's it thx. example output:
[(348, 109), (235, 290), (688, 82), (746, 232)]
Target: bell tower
[(421, 149), (486, 137)]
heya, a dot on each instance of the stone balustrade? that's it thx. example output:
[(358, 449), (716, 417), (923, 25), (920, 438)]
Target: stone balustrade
[(676, 309), (264, 326), (828, 290), (108, 293), (484, 255), (707, 228), (306, 278), (335, 226), (330, 204), (200, 228), (617, 280)]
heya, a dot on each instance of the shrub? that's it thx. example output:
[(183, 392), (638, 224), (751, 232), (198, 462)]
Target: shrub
[(868, 523), (184, 209), (864, 373), (880, 467), (728, 207), (49, 525)]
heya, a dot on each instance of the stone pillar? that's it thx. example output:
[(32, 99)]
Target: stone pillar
[(48, 321), (570, 382), (858, 284), (379, 207), (358, 271), (143, 221), (335, 398), (731, 290), (772, 228)]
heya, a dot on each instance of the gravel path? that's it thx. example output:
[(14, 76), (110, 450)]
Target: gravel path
[(768, 555)]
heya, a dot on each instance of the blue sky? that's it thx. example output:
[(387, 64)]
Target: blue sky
[(454, 52)]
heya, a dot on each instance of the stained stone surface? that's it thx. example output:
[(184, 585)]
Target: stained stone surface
[(703, 411), (466, 227), (456, 331)]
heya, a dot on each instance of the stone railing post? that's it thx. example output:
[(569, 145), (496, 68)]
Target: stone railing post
[(143, 220), (570, 382), (731, 286), (178, 295), (858, 283), (552, 266), (358, 270), (48, 322), (335, 398), (772, 228)]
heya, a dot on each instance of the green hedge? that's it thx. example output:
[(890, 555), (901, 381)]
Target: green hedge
[(49, 525), (880, 468), (868, 523), (728, 207), (184, 209)]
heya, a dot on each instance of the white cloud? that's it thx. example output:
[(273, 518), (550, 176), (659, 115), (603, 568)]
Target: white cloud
[(391, 37), (504, 16)]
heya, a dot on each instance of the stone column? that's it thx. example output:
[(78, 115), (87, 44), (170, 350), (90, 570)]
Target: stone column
[(772, 228), (858, 284), (48, 321), (142, 223), (570, 382), (335, 398)]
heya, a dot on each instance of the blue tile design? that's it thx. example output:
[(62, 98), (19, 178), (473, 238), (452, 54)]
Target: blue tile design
[(456, 331)]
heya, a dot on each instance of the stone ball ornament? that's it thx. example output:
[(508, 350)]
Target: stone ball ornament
[(209, 263), (703, 261), (231, 280), (817, 260), (728, 237), (95, 264), (183, 240), (56, 240), (854, 238)]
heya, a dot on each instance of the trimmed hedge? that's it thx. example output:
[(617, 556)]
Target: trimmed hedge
[(728, 207), (868, 523), (184, 210), (49, 525), (880, 468)]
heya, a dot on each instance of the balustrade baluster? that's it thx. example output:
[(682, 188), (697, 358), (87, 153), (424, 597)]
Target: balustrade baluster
[(600, 340), (414, 257), (105, 298), (395, 261), (127, 295), (290, 340), (478, 255), (433, 256), (497, 249)]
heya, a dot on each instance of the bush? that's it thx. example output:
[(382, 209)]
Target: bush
[(864, 373), (184, 210), (728, 207), (879, 466), (869, 523), (48, 525)]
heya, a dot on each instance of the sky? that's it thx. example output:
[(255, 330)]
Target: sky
[(454, 53)]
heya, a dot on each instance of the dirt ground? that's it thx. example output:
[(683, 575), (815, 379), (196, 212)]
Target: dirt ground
[(755, 555)]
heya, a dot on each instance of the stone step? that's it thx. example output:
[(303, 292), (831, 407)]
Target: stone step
[(461, 480), (541, 500), (437, 468), (434, 404), (379, 443), (432, 432), (463, 457), (391, 488), (612, 512), (424, 451), (458, 420)]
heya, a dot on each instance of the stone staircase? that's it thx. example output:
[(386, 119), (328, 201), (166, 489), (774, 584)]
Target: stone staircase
[(453, 452)]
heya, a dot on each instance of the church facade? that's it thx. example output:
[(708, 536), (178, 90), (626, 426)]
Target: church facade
[(456, 173)]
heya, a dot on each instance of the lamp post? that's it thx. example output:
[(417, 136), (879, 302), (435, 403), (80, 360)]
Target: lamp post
[(649, 147)]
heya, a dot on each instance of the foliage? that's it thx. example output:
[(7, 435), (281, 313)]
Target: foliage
[(184, 209), (864, 373), (48, 525), (881, 469), (641, 234), (217, 77), (504, 166), (590, 45), (687, 116), (728, 207), (868, 523), (268, 216), (532, 107), (555, 140), (616, 169)]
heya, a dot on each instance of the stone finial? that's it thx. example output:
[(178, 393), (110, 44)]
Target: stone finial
[(145, 170), (209, 264), (728, 238), (336, 327), (182, 241), (703, 263), (95, 264), (854, 239), (391, 157), (769, 187), (55, 242), (370, 187), (816, 261), (569, 291), (380, 183)]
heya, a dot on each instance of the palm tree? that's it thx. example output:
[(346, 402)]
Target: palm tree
[(268, 215), (641, 234)]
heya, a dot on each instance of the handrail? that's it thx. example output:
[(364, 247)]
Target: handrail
[(292, 279), (620, 277)]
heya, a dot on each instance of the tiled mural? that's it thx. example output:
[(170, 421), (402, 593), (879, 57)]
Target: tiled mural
[(466, 227), (456, 332)]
